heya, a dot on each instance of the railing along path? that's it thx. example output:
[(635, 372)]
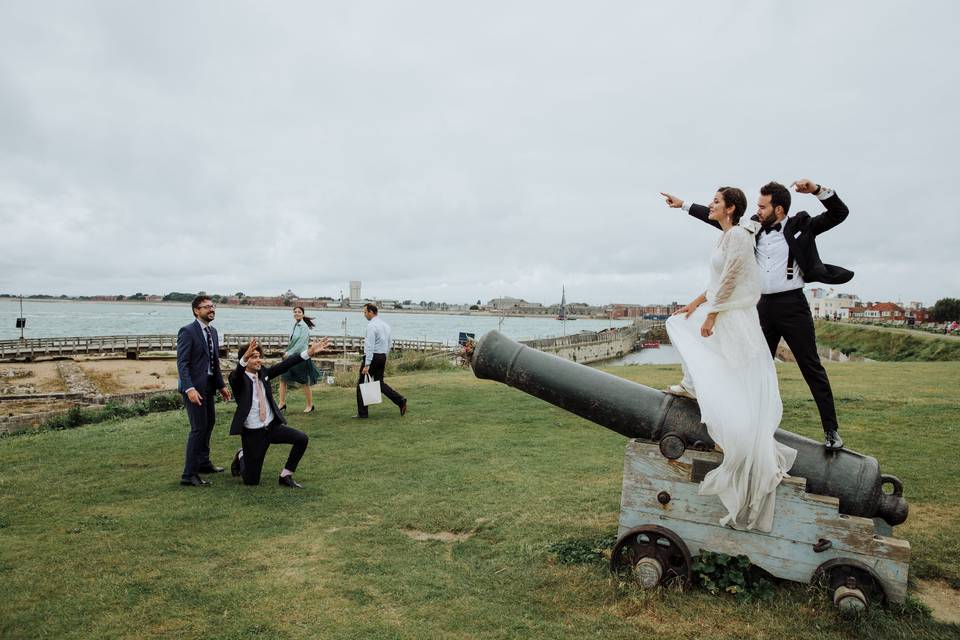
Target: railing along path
[(133, 345)]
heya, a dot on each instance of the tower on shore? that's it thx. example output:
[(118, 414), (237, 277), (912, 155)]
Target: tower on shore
[(354, 290)]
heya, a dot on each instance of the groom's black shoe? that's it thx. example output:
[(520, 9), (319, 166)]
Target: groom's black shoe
[(832, 440)]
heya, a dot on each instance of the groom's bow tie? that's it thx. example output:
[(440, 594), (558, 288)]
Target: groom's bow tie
[(773, 227)]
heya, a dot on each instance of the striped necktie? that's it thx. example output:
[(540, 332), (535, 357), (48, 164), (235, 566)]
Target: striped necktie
[(206, 332)]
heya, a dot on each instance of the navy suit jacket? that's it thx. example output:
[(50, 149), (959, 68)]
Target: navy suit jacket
[(193, 358)]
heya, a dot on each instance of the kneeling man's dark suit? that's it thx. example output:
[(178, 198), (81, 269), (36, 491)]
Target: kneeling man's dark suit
[(257, 441)]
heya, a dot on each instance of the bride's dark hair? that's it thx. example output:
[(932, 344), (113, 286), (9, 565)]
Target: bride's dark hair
[(735, 198)]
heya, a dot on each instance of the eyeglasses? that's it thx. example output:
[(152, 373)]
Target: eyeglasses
[(207, 306)]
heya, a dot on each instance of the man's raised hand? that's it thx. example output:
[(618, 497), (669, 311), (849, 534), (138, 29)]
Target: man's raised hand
[(672, 201), (317, 346), (804, 185), (251, 348)]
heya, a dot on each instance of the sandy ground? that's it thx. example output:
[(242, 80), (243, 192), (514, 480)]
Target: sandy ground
[(126, 376), (110, 376), (944, 602), (29, 377)]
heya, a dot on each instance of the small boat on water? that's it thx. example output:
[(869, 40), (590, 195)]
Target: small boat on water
[(651, 345)]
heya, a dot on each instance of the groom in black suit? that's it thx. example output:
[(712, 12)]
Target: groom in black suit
[(258, 421), (199, 379), (788, 258)]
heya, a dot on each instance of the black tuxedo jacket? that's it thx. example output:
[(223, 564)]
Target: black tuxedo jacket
[(800, 231), (242, 388)]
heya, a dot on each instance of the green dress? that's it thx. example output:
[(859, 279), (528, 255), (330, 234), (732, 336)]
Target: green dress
[(305, 372)]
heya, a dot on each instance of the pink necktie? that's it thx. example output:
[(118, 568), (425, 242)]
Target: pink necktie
[(263, 399)]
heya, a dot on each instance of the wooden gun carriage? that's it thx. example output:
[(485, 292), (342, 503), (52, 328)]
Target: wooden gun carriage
[(833, 519)]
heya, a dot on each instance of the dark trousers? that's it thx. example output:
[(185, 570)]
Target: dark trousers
[(257, 441), (787, 315), (376, 373), (201, 420)]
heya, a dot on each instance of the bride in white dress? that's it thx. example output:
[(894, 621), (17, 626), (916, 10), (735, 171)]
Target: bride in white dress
[(728, 369)]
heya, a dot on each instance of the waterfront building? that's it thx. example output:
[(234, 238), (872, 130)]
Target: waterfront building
[(827, 303)]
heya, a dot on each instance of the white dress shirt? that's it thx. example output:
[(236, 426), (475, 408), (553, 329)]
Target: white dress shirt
[(772, 253), (253, 418), (377, 340)]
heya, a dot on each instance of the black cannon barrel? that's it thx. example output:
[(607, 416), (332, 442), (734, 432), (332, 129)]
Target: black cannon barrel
[(636, 411)]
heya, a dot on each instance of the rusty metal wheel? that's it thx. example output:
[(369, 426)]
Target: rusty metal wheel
[(653, 556), (852, 585)]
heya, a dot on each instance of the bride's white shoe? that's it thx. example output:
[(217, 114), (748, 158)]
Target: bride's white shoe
[(680, 390)]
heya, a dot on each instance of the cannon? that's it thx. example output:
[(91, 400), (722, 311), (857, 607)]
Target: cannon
[(841, 493)]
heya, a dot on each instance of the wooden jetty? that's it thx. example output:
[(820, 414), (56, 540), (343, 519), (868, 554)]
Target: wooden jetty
[(132, 346)]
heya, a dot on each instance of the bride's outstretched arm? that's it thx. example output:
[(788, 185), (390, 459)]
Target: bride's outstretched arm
[(690, 308)]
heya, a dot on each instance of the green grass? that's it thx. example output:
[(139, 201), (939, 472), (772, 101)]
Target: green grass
[(880, 343), (98, 540)]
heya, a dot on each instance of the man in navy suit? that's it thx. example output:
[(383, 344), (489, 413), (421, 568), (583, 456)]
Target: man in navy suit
[(198, 370)]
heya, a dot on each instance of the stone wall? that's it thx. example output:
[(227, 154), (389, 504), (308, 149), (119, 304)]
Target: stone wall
[(590, 347)]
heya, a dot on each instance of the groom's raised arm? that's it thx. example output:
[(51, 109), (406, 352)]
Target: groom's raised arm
[(698, 211), (836, 212)]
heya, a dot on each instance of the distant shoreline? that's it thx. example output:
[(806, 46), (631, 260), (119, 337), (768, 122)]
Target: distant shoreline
[(173, 303)]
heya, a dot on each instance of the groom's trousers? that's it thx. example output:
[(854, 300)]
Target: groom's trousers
[(787, 315)]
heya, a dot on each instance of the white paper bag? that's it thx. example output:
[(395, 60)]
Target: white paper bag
[(370, 392)]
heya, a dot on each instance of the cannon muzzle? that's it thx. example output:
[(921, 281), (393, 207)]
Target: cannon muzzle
[(636, 411)]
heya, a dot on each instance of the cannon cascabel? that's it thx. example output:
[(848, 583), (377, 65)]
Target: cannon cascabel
[(636, 411)]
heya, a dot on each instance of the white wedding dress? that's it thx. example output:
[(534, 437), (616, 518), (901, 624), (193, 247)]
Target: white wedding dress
[(735, 381)]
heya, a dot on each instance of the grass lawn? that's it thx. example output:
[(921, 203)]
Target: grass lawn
[(436, 525)]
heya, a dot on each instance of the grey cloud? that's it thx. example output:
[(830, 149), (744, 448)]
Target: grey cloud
[(448, 151)]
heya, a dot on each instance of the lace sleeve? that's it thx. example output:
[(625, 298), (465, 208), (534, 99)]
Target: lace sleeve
[(739, 281)]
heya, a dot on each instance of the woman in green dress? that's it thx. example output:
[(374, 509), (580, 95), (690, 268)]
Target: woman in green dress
[(304, 373)]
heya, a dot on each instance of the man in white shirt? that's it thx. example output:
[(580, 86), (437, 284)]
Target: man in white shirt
[(788, 258), (258, 421), (376, 346)]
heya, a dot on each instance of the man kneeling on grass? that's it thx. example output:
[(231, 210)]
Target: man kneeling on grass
[(258, 421)]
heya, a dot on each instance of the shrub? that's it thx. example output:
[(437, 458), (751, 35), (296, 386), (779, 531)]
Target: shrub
[(77, 417), (720, 573), (594, 550)]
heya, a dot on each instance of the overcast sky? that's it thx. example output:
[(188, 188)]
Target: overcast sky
[(459, 151)]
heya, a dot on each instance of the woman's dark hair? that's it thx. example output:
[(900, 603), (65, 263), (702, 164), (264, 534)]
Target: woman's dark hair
[(306, 318), (779, 195), (733, 197)]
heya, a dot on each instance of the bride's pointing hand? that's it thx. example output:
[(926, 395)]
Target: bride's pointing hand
[(672, 201)]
